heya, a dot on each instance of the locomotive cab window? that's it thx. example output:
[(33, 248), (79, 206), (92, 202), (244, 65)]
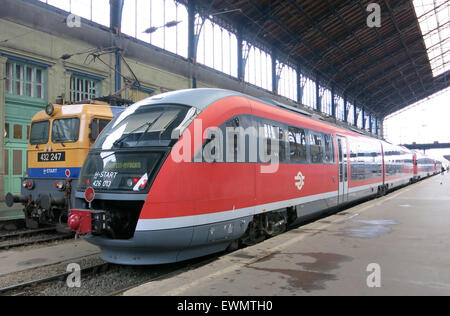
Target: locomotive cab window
[(39, 132), (65, 130), (147, 126), (97, 125)]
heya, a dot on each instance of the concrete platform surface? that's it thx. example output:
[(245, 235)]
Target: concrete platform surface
[(16, 260), (395, 245)]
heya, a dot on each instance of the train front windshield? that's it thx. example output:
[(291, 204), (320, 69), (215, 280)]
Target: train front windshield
[(39, 132), (130, 148)]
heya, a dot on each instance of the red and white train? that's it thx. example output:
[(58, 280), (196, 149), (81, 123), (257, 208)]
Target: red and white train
[(186, 173)]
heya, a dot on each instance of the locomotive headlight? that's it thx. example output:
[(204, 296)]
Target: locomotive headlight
[(49, 109), (28, 184), (60, 185)]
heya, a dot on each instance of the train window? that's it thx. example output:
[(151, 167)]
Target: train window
[(96, 126), (297, 144), (329, 149), (235, 152), (275, 143), (6, 130), (316, 144), (282, 139), (65, 130), (270, 138), (39, 132), (146, 126)]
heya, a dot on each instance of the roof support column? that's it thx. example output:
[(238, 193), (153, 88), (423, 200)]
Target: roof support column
[(355, 115), (192, 49), (240, 56), (274, 72), (345, 110), (115, 10), (363, 113), (2, 123), (318, 98), (376, 125), (333, 103)]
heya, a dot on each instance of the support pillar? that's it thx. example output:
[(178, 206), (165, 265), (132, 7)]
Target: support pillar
[(333, 103), (363, 113), (116, 8), (318, 98), (192, 41), (240, 56), (345, 110), (2, 125), (274, 72), (299, 86)]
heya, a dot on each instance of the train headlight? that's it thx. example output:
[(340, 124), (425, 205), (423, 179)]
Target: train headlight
[(28, 184), (49, 109), (131, 182), (60, 185)]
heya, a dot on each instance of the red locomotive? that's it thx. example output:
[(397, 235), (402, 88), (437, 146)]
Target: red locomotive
[(192, 172)]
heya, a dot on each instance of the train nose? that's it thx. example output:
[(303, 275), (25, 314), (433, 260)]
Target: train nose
[(74, 222)]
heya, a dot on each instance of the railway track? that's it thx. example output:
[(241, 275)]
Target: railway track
[(101, 273), (26, 237), (27, 288)]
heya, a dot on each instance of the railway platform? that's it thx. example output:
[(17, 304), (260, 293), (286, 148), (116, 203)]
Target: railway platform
[(395, 245), (16, 260), (11, 213)]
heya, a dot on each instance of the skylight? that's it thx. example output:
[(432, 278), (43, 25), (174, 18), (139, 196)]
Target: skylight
[(434, 21)]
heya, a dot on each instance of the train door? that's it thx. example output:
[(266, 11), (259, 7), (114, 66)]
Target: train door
[(343, 169), (16, 145)]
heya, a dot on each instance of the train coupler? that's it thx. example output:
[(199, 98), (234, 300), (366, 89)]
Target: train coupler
[(84, 222)]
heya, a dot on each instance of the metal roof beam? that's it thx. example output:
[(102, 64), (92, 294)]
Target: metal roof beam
[(400, 35), (294, 38)]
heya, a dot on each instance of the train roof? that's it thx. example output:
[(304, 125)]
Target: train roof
[(97, 108), (199, 98), (202, 98)]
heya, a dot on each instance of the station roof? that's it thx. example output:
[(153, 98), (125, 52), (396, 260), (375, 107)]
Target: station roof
[(382, 68)]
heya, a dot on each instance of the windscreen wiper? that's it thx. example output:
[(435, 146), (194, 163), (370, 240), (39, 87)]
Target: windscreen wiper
[(149, 125)]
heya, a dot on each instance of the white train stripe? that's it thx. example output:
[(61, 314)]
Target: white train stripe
[(197, 220), (203, 219)]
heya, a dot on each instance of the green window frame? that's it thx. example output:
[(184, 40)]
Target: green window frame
[(25, 80)]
